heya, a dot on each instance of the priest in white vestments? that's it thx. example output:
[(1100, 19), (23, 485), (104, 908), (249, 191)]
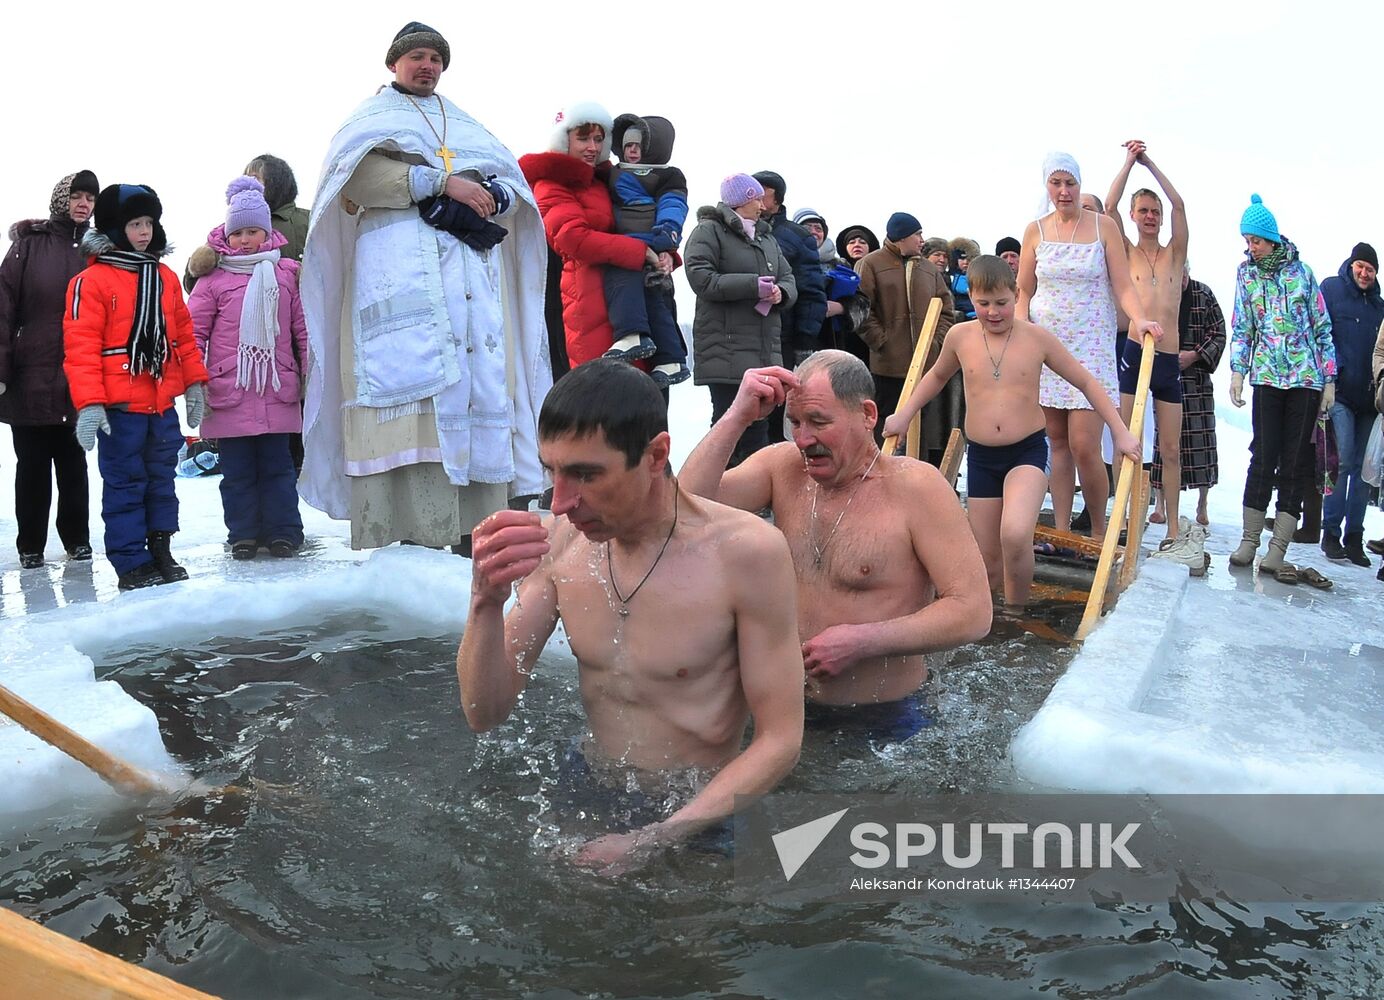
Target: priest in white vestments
[(422, 283)]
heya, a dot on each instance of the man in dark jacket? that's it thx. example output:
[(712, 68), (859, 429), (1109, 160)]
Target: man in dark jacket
[(44, 256), (1356, 309), (802, 324)]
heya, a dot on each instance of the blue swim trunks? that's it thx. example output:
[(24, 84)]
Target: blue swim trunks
[(1167, 374), (881, 724), (988, 464), (582, 792)]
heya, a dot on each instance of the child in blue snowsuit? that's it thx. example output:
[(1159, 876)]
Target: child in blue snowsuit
[(650, 202)]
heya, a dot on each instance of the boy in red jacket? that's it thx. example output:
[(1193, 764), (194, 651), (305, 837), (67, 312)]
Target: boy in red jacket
[(129, 352)]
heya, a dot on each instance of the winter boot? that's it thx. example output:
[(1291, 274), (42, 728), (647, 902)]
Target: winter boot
[(1249, 544), (1188, 549), (1311, 530), (1355, 548), (1283, 527), (1331, 545), (159, 542), (147, 575)]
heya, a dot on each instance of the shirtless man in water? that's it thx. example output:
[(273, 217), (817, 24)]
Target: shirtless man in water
[(679, 611), (1156, 271), (887, 568)]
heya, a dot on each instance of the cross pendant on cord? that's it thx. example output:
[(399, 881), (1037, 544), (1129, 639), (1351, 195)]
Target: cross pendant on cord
[(446, 155)]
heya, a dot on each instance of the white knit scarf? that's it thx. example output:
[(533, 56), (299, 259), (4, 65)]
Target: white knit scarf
[(259, 318)]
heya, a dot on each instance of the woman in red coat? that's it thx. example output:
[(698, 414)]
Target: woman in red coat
[(571, 183)]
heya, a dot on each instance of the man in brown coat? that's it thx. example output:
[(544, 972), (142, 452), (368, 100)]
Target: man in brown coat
[(901, 285)]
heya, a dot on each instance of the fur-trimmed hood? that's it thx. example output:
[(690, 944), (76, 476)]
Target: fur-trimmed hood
[(561, 169), (34, 227), (216, 239), (95, 243), (968, 246), (28, 227), (728, 217)]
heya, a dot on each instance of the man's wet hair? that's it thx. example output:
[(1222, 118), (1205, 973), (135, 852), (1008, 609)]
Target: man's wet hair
[(1100, 205), (851, 381), (610, 396), (989, 273), (280, 186), (1144, 193)]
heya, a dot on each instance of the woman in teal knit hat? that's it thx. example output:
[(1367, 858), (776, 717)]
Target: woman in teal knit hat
[(1281, 339)]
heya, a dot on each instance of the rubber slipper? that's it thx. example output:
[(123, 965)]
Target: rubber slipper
[(1044, 549), (1287, 573), (1312, 578)]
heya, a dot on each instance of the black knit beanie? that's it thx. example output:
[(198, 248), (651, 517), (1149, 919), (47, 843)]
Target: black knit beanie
[(416, 35)]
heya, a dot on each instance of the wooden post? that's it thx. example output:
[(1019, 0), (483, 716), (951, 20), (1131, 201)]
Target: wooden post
[(915, 372), (951, 458), (1125, 484), (1134, 537), (123, 777), (37, 962)]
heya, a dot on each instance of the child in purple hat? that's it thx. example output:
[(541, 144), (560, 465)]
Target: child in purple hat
[(248, 321)]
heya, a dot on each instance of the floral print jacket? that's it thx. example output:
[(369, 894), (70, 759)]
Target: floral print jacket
[(1281, 332)]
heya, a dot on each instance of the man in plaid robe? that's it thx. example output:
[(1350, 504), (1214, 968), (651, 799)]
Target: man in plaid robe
[(1201, 326)]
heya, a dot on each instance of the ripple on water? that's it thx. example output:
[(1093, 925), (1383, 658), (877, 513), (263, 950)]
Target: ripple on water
[(376, 847)]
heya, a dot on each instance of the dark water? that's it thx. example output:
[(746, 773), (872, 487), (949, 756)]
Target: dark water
[(380, 849)]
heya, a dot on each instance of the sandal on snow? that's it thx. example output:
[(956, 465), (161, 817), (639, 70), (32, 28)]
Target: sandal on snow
[(1287, 573), (1312, 578)]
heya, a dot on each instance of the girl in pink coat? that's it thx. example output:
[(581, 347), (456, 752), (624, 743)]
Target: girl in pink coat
[(249, 326)]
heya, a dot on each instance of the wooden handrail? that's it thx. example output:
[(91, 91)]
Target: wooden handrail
[(951, 458), (122, 776), (915, 372), (1134, 534), (1068, 540), (1128, 468)]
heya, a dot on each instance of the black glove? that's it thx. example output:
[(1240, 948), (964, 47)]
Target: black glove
[(499, 192), (442, 212)]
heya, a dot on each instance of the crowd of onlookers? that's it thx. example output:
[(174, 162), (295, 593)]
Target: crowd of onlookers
[(96, 342)]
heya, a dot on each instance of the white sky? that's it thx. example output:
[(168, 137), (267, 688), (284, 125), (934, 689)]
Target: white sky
[(943, 110)]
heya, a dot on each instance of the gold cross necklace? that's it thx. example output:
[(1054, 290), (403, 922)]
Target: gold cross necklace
[(442, 150)]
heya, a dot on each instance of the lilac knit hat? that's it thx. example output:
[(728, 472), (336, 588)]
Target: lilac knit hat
[(740, 188), (247, 207)]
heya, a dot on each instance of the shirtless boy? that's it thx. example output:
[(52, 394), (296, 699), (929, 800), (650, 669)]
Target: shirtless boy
[(1157, 274), (679, 611), (1000, 358), (886, 571)]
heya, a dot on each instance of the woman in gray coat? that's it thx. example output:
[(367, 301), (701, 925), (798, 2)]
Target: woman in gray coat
[(743, 284)]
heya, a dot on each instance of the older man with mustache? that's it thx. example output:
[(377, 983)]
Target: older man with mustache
[(887, 567)]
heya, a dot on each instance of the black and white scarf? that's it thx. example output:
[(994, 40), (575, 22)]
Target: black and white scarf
[(148, 344)]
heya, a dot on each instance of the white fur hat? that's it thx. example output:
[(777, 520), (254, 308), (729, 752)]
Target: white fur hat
[(581, 113)]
